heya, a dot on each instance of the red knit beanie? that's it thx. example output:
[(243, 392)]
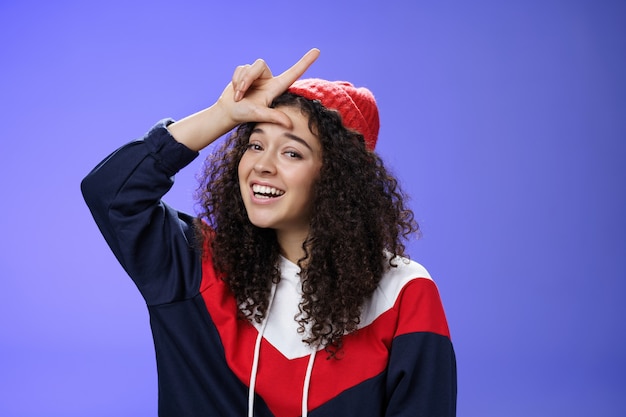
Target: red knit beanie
[(356, 106)]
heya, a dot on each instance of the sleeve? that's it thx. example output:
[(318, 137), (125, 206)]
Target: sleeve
[(421, 379), (153, 242)]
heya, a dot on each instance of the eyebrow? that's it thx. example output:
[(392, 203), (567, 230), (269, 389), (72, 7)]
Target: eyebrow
[(288, 135)]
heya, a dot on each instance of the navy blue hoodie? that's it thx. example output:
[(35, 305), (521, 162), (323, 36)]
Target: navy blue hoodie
[(400, 362)]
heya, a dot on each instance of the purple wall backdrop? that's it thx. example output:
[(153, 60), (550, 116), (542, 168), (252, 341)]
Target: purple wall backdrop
[(506, 121)]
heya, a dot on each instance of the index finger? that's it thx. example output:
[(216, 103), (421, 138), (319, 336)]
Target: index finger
[(292, 74)]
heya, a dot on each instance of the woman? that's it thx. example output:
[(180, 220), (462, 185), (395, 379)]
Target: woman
[(292, 295)]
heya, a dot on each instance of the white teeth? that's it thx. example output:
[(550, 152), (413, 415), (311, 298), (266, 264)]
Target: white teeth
[(266, 191)]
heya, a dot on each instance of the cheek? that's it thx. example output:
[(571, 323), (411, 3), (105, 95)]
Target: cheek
[(242, 168), (308, 181)]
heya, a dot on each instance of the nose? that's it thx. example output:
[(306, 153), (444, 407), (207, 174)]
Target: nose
[(265, 164)]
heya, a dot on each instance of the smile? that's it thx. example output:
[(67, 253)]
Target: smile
[(263, 191)]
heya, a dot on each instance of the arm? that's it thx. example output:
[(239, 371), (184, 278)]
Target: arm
[(421, 377), (153, 242)]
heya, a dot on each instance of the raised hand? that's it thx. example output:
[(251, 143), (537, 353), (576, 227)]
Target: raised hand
[(253, 88), (245, 99)]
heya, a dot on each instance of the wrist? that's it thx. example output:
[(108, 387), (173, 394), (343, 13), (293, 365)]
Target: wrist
[(202, 128)]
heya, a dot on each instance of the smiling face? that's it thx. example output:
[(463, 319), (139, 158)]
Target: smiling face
[(277, 173)]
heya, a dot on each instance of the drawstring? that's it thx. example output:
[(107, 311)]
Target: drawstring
[(307, 382), (257, 353), (255, 365)]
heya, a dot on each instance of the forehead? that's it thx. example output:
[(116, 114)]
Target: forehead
[(299, 131), (297, 115)]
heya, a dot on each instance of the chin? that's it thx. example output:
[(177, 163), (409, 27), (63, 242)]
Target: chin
[(261, 224)]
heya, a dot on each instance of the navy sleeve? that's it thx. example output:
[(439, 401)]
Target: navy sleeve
[(421, 376), (153, 242)]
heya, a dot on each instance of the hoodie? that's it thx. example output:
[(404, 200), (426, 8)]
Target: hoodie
[(400, 362)]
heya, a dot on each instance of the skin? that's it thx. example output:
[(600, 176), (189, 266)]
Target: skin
[(287, 160), (247, 99)]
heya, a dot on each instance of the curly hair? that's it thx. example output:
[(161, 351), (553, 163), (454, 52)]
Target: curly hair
[(359, 223)]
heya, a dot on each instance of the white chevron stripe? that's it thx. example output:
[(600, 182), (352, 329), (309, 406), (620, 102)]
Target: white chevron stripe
[(282, 329)]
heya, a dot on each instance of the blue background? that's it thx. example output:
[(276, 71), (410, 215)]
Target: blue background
[(505, 121)]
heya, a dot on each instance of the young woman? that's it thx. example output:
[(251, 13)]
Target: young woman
[(290, 294)]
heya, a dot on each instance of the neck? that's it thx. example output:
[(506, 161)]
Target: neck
[(291, 245)]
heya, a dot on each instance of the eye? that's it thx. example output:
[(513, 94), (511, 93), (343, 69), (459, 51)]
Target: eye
[(293, 154), (254, 147)]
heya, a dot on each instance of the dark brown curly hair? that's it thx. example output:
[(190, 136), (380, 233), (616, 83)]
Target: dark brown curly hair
[(359, 222)]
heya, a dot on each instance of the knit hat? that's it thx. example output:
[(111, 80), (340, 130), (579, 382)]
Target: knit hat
[(357, 106)]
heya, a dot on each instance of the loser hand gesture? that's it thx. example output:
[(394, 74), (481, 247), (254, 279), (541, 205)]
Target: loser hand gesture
[(245, 99), (253, 88)]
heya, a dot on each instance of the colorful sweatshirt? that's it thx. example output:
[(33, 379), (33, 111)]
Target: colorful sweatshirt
[(400, 362)]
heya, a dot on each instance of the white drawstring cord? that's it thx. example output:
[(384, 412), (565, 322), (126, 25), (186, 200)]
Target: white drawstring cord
[(307, 383), (257, 354)]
